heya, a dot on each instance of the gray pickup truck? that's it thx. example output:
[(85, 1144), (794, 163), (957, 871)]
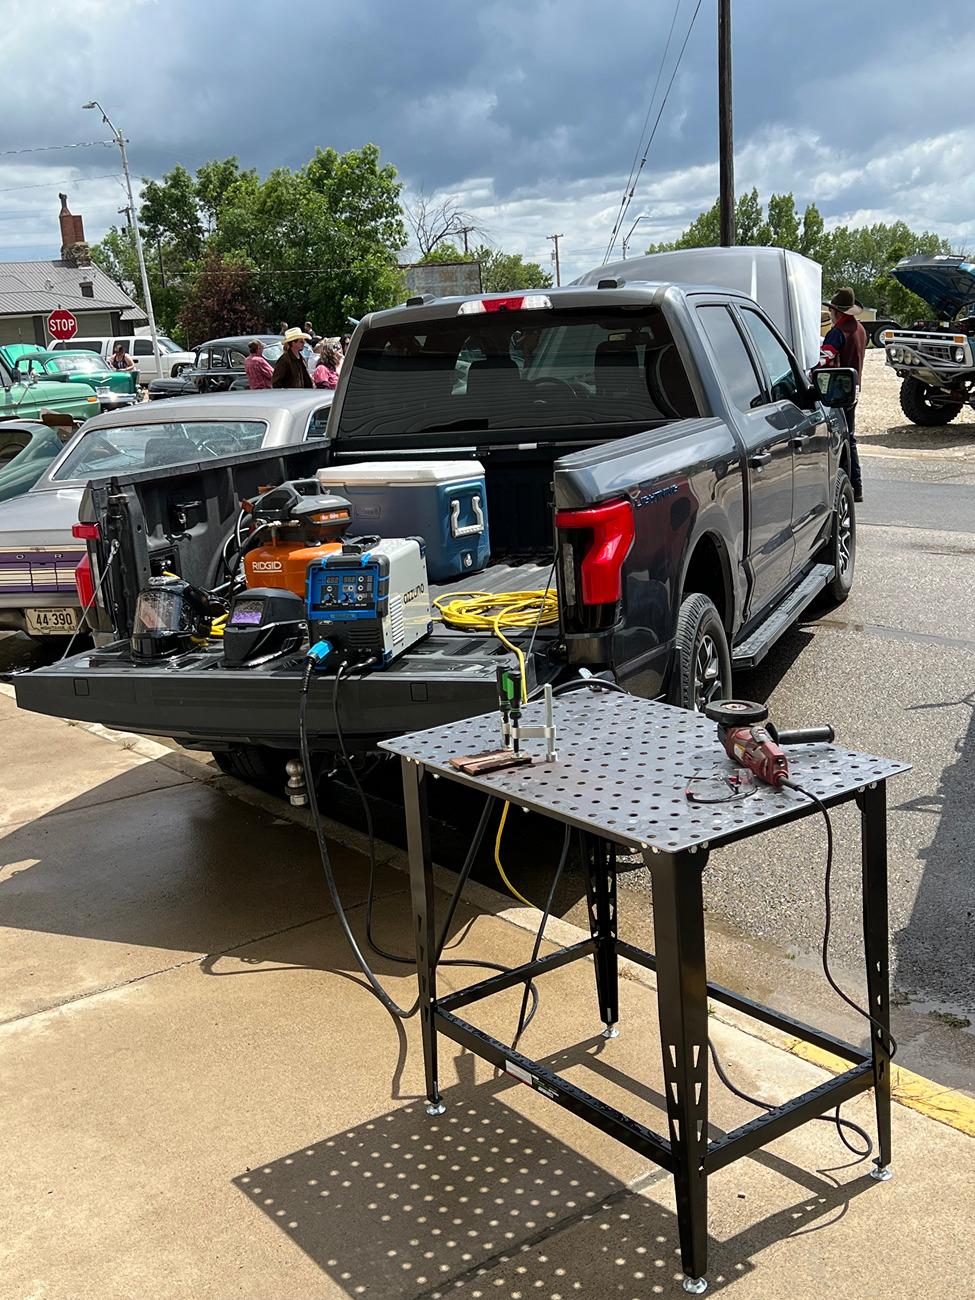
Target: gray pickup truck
[(658, 447)]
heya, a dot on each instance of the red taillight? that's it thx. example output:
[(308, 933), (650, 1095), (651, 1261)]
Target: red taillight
[(86, 532), (611, 526), (85, 583)]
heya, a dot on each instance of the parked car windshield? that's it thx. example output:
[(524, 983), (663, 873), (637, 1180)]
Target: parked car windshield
[(87, 365), (517, 369), (157, 445)]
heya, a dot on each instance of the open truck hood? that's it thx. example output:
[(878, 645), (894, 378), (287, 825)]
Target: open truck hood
[(945, 283), (786, 285)]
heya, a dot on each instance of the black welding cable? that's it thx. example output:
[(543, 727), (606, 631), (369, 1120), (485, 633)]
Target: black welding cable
[(885, 1037), (392, 1007), (525, 1020), (836, 1119), (461, 879)]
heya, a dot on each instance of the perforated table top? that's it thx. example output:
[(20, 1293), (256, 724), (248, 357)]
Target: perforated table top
[(624, 765)]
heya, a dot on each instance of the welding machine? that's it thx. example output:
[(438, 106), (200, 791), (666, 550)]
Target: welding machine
[(370, 600)]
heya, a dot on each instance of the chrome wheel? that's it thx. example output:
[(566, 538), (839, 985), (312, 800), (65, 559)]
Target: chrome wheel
[(844, 536), (707, 674)]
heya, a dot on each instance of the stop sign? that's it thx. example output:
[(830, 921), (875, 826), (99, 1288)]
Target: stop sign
[(62, 324)]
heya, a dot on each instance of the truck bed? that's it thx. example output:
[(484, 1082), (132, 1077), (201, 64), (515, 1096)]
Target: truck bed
[(198, 702)]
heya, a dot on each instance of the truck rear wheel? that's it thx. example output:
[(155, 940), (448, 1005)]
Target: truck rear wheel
[(922, 404), (702, 660), (257, 765)]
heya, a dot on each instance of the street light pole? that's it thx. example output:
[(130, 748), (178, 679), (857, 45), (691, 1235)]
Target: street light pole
[(120, 141), (726, 147), (628, 237)]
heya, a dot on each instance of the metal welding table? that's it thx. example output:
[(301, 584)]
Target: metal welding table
[(622, 769)]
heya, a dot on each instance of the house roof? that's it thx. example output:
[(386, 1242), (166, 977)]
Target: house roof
[(38, 288)]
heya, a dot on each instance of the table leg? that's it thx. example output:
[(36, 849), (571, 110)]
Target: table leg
[(876, 947), (678, 928), (424, 921), (601, 895)]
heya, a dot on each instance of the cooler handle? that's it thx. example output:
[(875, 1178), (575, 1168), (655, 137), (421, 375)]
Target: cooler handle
[(468, 529)]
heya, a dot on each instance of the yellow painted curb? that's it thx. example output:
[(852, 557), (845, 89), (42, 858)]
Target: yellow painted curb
[(946, 1105)]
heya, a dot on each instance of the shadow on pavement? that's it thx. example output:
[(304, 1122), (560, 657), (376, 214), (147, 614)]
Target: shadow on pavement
[(915, 437), (942, 920), (405, 1206)]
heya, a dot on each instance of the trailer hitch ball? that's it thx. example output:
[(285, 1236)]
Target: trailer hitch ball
[(297, 790)]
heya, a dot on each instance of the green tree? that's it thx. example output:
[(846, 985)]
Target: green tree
[(213, 181), (115, 254), (503, 272), (858, 256), (170, 211), (322, 240)]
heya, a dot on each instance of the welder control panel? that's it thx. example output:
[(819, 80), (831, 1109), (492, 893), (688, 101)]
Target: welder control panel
[(335, 591)]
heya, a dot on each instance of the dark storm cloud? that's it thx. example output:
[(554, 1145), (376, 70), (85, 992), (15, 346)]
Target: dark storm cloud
[(537, 98)]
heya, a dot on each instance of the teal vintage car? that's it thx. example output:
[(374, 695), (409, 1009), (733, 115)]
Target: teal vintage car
[(27, 447), (114, 388), (26, 396)]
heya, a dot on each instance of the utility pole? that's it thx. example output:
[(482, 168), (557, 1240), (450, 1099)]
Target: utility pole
[(555, 240), (465, 231), (120, 141), (726, 143)]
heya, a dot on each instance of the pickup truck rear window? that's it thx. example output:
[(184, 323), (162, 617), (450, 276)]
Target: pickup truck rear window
[(155, 446), (516, 370)]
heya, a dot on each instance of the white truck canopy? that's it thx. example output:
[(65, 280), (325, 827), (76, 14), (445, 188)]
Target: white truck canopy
[(788, 286)]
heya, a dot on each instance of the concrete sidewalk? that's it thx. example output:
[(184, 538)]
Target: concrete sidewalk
[(202, 1099)]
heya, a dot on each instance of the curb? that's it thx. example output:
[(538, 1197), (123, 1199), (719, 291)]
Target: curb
[(944, 1105)]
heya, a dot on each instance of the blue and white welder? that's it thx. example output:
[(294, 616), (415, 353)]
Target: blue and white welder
[(371, 600)]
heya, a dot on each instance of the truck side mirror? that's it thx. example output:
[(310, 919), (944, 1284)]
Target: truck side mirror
[(836, 387)]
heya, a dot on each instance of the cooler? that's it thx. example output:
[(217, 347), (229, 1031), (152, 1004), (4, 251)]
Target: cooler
[(442, 501)]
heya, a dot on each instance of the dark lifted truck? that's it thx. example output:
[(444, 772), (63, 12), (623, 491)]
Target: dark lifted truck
[(657, 446)]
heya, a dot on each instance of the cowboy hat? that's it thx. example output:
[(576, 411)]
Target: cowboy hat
[(290, 335), (845, 301)]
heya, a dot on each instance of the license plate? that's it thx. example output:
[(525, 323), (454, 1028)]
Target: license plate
[(51, 622)]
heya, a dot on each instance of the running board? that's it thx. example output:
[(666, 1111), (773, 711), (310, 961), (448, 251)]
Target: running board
[(753, 650)]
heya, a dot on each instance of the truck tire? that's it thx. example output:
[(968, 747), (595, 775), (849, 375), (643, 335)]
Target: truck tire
[(256, 765), (922, 408), (702, 660), (841, 549)]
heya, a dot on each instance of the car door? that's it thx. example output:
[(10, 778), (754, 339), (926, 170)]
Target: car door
[(141, 353), (767, 454), (788, 389)]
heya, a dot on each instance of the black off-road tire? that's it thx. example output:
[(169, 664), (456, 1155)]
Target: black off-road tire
[(257, 765), (841, 549), (919, 407), (702, 659)]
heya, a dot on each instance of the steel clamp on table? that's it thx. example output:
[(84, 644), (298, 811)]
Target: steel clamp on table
[(622, 774)]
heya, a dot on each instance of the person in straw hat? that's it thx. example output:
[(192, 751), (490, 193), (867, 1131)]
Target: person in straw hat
[(844, 345), (290, 369)]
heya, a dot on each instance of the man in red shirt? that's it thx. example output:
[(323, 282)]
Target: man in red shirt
[(258, 370), (844, 345)]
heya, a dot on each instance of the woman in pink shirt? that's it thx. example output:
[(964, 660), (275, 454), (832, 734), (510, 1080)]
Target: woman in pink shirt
[(258, 370), (326, 373)]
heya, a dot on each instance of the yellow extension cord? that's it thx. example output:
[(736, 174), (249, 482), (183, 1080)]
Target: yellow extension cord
[(483, 611)]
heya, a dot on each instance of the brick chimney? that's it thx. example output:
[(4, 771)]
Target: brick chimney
[(74, 249)]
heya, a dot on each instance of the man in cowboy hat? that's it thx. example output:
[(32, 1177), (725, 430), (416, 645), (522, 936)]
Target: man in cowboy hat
[(844, 345), (290, 370)]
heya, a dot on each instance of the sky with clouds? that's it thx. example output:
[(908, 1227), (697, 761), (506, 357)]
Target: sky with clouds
[(528, 112)]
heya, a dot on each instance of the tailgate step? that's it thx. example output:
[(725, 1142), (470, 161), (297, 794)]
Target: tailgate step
[(753, 650)]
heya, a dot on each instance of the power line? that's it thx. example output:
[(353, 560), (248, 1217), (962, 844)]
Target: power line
[(643, 128), (53, 185), (646, 151), (49, 148)]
